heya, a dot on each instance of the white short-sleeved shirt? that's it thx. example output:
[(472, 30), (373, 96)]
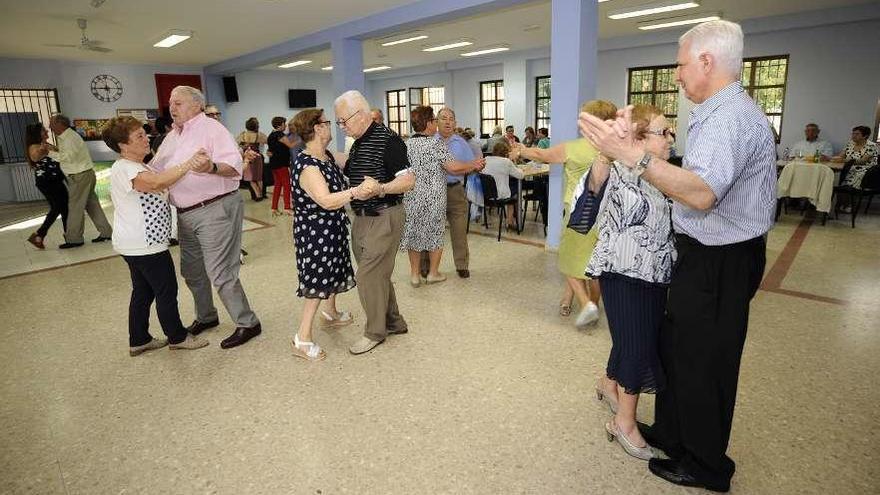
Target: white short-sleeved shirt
[(141, 221)]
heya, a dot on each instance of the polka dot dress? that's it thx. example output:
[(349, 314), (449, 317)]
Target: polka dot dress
[(323, 259), (157, 218)]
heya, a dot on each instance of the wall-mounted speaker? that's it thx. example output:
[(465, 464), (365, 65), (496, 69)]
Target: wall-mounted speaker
[(230, 89)]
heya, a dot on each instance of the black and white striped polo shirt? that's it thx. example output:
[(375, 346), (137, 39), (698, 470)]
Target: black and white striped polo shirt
[(378, 153)]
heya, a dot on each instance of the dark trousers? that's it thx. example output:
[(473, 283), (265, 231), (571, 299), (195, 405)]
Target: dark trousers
[(701, 343), (153, 278), (56, 195)]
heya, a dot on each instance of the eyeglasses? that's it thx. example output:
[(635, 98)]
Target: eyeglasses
[(213, 114), (322, 122), (342, 122), (665, 132)]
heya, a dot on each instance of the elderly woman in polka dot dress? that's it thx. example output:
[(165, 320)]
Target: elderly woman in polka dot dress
[(320, 229)]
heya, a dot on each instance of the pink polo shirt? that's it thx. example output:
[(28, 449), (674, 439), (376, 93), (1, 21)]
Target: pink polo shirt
[(181, 143)]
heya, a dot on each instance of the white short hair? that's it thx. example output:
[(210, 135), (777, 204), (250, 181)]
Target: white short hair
[(354, 100), (447, 110), (194, 93), (722, 39)]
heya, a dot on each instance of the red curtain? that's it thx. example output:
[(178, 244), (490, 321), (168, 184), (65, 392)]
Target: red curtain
[(166, 82)]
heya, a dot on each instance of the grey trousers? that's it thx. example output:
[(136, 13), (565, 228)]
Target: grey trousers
[(210, 241), (82, 200)]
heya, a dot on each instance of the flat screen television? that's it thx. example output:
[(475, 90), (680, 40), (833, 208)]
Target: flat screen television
[(302, 98)]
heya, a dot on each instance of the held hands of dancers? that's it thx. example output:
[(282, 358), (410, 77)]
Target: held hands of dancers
[(249, 155), (479, 164), (515, 151), (199, 162), (615, 138), (367, 189)]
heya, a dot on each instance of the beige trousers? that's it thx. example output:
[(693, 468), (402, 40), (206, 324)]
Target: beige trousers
[(375, 242), (82, 200)]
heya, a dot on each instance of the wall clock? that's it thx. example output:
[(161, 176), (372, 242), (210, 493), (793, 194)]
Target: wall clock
[(106, 88)]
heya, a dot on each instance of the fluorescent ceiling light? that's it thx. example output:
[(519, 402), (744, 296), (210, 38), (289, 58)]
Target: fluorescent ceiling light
[(486, 51), (327, 67), (652, 8), (676, 21), (448, 46), (294, 64), (377, 68), (174, 37), (406, 40)]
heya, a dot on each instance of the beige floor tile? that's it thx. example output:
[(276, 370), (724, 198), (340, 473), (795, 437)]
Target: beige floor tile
[(490, 392)]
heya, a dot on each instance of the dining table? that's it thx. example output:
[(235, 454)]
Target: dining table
[(530, 170), (807, 179)]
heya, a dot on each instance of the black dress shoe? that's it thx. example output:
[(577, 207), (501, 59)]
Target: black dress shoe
[(672, 471), (240, 336), (198, 327), (463, 273), (101, 238), (69, 245)]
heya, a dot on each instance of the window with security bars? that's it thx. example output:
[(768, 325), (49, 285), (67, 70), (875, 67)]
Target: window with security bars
[(542, 102), (491, 105), (18, 108), (764, 79), (655, 86), (395, 101), (434, 97)]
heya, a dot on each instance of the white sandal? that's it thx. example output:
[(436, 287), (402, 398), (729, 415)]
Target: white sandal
[(314, 352), (345, 318)]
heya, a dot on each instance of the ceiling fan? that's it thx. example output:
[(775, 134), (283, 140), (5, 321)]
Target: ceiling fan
[(85, 43)]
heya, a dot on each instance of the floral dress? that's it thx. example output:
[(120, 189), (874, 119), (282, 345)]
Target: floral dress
[(425, 204), (323, 259), (857, 171)]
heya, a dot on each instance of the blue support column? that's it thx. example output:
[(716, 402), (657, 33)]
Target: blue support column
[(348, 74), (573, 62)]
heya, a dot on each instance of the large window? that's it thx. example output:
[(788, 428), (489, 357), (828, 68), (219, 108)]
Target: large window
[(395, 100), (764, 78), (434, 97), (18, 108), (542, 102), (655, 86), (491, 105)]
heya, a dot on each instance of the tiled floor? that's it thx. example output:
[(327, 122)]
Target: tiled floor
[(489, 393)]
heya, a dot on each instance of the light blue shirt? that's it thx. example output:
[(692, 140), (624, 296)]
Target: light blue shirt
[(731, 147), (462, 152)]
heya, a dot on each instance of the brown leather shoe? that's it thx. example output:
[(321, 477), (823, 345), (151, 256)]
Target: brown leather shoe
[(198, 327), (464, 273), (240, 336)]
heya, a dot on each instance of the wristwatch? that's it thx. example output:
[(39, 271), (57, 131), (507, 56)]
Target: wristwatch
[(381, 190), (642, 164), (213, 168)]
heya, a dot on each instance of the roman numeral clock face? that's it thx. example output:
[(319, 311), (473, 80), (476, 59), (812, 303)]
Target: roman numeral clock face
[(106, 88)]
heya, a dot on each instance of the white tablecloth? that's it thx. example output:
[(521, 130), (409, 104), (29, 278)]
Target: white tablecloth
[(814, 181)]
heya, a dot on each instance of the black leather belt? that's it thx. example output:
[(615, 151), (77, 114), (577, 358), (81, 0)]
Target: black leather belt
[(451, 184), (205, 202), (376, 210)]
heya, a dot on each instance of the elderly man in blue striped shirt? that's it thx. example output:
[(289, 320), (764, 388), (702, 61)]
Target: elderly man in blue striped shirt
[(724, 204)]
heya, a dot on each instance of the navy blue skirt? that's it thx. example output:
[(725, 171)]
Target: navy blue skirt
[(635, 310)]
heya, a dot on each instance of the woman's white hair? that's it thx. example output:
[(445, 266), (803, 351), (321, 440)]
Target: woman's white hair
[(193, 93), (353, 100), (722, 39)]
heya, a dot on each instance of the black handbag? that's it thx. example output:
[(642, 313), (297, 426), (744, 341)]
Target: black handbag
[(586, 209)]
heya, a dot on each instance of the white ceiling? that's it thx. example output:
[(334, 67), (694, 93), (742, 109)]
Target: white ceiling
[(227, 28)]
